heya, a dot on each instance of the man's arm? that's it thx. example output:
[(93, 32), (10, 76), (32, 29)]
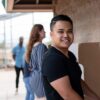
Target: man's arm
[(13, 56), (63, 87), (14, 53), (88, 92)]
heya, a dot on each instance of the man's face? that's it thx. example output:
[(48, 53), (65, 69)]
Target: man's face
[(21, 41), (62, 34)]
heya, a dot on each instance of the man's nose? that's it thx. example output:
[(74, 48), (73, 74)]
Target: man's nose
[(65, 34)]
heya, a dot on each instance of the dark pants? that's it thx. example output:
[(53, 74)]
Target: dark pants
[(18, 75)]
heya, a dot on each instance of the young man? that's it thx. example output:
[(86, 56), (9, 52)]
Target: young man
[(18, 53), (60, 70)]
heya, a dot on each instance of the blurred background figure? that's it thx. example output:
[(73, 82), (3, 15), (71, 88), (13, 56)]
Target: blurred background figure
[(36, 50), (27, 74), (18, 53)]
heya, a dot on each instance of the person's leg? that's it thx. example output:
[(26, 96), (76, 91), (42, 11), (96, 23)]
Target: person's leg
[(32, 97), (42, 98), (22, 70), (27, 89), (29, 95), (17, 77)]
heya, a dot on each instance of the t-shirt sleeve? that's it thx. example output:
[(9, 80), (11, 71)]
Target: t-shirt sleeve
[(54, 68)]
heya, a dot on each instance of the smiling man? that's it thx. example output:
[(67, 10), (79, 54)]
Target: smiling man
[(60, 70)]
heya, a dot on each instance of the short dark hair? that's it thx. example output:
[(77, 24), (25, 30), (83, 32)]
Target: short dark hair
[(60, 18)]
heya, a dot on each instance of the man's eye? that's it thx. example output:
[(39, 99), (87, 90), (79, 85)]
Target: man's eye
[(60, 32), (70, 31)]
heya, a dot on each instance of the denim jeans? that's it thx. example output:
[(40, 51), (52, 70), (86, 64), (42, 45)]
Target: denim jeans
[(29, 94)]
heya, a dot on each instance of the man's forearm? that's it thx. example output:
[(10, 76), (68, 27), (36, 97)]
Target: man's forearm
[(72, 95), (13, 57)]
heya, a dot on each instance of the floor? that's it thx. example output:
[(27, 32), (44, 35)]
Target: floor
[(7, 85)]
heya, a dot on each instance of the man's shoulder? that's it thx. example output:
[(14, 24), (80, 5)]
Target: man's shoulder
[(15, 47), (52, 58)]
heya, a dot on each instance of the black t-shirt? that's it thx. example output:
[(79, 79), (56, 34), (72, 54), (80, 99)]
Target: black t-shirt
[(56, 65)]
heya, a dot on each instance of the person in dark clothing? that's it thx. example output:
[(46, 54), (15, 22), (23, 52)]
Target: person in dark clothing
[(60, 69)]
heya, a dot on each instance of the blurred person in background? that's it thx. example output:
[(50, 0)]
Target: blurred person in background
[(36, 50), (27, 74), (17, 54)]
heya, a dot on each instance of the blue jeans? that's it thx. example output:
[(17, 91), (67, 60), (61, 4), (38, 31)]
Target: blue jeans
[(29, 94)]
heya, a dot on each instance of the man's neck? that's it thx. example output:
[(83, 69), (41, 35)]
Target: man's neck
[(64, 51)]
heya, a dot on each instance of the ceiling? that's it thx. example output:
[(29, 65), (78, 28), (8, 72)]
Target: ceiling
[(10, 15), (33, 1), (30, 5), (4, 15), (16, 8)]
